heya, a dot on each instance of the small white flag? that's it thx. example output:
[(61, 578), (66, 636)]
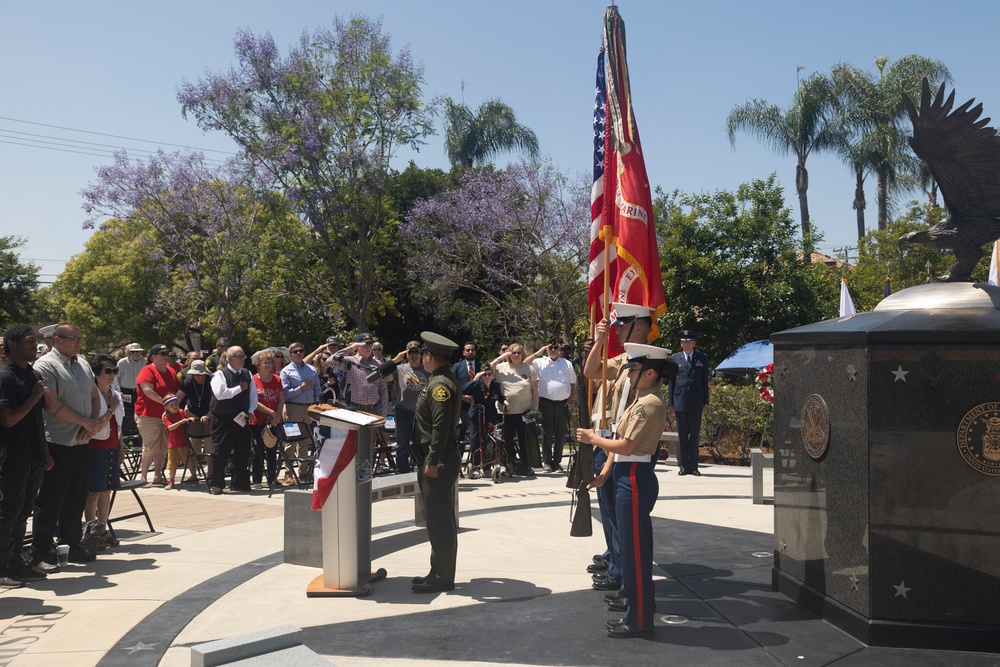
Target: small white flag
[(846, 303), (994, 266)]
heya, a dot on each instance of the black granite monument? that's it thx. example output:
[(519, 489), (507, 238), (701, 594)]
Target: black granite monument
[(887, 468)]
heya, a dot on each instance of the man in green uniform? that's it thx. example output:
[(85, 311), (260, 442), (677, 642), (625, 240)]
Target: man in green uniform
[(437, 416)]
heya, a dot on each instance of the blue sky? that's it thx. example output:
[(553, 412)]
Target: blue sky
[(113, 67)]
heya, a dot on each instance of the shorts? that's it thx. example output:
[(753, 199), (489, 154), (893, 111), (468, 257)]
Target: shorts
[(102, 469), (177, 455)]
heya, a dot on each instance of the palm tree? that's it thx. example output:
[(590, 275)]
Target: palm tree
[(874, 112), (472, 138), (809, 124)]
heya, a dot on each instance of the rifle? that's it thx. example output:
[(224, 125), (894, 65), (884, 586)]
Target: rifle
[(582, 521)]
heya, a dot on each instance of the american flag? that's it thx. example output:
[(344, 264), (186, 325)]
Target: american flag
[(597, 244), (621, 206)]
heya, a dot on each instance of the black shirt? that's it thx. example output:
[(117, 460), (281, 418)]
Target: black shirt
[(197, 397), (23, 441)]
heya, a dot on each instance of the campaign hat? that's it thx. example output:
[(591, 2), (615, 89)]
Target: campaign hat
[(437, 344)]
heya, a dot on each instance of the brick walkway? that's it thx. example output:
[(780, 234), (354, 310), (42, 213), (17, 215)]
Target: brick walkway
[(194, 509)]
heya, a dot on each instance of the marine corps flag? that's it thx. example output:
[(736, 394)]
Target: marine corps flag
[(624, 259)]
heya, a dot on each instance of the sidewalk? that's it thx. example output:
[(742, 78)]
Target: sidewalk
[(214, 570)]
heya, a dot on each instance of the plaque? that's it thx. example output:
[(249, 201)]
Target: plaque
[(978, 438), (815, 419)]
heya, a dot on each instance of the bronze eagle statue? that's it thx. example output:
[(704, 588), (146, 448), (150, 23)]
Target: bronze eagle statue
[(963, 154)]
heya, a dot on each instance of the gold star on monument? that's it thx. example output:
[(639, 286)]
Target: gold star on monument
[(901, 589), (852, 373), (900, 374), (854, 582)]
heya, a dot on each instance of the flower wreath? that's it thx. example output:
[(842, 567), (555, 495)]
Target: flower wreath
[(765, 383)]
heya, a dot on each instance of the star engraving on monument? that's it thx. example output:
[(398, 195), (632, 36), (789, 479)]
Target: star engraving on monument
[(900, 374), (852, 373), (854, 582), (901, 590), (140, 647)]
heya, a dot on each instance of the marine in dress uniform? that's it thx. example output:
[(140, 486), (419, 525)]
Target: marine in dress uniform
[(631, 324), (634, 483), (688, 396), (437, 414)]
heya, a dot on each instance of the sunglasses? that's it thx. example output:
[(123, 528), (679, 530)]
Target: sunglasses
[(75, 339), (415, 350), (503, 349), (110, 371), (296, 351), (163, 354), (516, 352)]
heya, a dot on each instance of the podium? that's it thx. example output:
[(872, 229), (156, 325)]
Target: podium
[(347, 513)]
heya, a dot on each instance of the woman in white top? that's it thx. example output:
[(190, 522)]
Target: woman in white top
[(103, 452), (519, 382)]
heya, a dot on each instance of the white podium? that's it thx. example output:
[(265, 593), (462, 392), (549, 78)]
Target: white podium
[(347, 514)]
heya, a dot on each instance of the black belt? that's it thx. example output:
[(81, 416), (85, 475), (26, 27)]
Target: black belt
[(552, 401)]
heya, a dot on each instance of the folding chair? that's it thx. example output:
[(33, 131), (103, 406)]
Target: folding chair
[(132, 485), (295, 465), (200, 460)]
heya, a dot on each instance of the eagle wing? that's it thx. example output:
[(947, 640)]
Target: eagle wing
[(962, 151)]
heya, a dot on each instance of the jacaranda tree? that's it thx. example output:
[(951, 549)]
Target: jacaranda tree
[(320, 125), (504, 254)]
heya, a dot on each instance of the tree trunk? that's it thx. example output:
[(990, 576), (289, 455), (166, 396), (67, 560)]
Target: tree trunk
[(801, 186), (860, 204), (883, 205)]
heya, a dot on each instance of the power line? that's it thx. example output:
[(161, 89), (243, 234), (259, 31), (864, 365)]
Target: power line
[(86, 150), (86, 144), (114, 136)]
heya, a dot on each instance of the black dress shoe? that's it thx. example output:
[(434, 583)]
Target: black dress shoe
[(595, 568), (621, 604), (432, 587), (420, 580), (696, 473), (627, 632), (615, 623), (608, 597), (81, 556), (599, 558), (607, 584), (215, 490), (683, 472)]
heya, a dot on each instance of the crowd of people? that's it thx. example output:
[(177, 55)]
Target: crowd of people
[(64, 421)]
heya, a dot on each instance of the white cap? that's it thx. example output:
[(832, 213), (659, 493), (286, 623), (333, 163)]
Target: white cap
[(47, 331), (134, 347), (640, 352), (623, 313)]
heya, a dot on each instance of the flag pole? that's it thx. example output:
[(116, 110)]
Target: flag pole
[(607, 341)]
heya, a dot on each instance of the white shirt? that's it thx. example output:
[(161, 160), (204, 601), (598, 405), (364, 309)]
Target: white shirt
[(555, 378), (223, 393)]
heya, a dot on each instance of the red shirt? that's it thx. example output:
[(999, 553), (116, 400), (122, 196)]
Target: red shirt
[(164, 382), (267, 395), (176, 439), (109, 442)]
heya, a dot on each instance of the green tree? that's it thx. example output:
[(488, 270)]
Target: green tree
[(111, 290), (730, 269), (879, 255), (320, 125), (872, 106), (474, 137), (18, 282), (810, 124)]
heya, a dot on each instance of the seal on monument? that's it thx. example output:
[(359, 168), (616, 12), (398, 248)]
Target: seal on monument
[(815, 430), (978, 438)]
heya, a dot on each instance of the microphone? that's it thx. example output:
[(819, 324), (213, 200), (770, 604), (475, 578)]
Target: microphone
[(385, 369)]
